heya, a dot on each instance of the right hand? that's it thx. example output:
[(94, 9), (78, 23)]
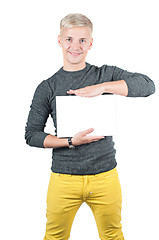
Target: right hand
[(82, 138)]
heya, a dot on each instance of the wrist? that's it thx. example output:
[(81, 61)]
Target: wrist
[(70, 142), (104, 87), (62, 142)]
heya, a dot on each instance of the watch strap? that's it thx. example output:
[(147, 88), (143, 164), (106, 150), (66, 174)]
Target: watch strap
[(70, 143)]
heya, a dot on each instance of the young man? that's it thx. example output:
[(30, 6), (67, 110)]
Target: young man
[(84, 166)]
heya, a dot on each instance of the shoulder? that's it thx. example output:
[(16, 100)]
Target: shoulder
[(47, 85), (52, 80), (44, 88), (104, 67), (107, 68)]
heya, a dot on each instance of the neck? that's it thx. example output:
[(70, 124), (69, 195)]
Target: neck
[(74, 67)]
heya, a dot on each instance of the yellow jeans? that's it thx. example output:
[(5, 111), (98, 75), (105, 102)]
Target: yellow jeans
[(66, 193)]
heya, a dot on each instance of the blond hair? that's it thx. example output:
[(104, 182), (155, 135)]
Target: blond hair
[(75, 20)]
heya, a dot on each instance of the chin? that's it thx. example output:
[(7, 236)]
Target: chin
[(75, 61)]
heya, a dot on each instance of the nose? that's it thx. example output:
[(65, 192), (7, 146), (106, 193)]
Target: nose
[(75, 46)]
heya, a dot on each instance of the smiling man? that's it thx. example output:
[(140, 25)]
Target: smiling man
[(84, 166), (75, 47)]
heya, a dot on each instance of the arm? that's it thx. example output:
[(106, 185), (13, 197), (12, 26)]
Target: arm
[(39, 112), (116, 87), (55, 142), (38, 115), (139, 85), (78, 139), (122, 83)]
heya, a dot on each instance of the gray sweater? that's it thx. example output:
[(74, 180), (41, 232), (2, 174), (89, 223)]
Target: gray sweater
[(86, 159)]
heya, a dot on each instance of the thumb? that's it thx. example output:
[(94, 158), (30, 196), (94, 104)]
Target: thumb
[(89, 130)]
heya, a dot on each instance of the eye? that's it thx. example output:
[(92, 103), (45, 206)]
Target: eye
[(82, 40), (68, 39)]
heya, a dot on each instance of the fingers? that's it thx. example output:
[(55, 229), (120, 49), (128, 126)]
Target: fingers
[(74, 92), (92, 138), (82, 137), (89, 130), (71, 91), (77, 91), (95, 138)]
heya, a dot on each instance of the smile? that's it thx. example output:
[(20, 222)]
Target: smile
[(74, 54)]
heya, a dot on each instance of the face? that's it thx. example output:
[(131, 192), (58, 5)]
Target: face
[(75, 43)]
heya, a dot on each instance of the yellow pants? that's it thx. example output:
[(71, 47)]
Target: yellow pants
[(66, 193)]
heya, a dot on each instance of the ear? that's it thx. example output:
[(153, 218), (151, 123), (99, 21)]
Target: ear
[(59, 40), (91, 42)]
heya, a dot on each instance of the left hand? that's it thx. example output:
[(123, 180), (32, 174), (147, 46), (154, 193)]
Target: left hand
[(89, 91)]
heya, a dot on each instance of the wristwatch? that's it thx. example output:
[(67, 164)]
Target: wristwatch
[(70, 143)]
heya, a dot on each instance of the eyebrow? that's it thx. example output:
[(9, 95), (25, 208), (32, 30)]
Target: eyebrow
[(72, 37)]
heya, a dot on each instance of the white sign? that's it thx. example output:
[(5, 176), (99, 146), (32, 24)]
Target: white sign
[(75, 114)]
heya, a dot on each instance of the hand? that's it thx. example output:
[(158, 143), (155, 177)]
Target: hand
[(82, 138), (89, 91)]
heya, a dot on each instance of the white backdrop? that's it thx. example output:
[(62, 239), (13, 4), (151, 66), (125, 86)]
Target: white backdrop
[(126, 35)]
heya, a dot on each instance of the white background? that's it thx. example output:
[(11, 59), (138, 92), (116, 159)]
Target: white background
[(126, 35)]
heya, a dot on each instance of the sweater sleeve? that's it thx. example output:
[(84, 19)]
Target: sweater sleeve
[(38, 115), (139, 85)]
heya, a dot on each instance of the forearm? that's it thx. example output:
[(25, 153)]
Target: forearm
[(139, 85), (116, 87), (55, 142)]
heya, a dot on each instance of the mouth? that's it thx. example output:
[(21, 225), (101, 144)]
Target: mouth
[(74, 54)]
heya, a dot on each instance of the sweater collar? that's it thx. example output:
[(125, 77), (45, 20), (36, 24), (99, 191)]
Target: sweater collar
[(75, 72)]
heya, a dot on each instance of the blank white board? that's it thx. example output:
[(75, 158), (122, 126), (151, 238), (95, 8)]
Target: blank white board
[(75, 114)]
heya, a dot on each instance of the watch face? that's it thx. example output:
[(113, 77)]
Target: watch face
[(71, 146)]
